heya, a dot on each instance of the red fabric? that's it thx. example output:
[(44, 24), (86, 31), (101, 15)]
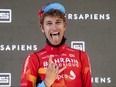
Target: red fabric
[(77, 73)]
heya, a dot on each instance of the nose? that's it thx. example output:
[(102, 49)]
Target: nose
[(54, 27)]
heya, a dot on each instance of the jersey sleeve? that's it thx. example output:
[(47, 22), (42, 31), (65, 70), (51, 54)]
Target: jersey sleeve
[(86, 70), (29, 71)]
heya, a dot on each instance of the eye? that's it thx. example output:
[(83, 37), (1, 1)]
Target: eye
[(58, 22), (48, 23)]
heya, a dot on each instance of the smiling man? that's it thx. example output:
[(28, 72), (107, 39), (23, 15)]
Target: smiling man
[(53, 28), (56, 65)]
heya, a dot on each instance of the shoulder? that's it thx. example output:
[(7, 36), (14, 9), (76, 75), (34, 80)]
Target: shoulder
[(31, 57), (76, 51), (34, 54), (73, 50), (40, 52)]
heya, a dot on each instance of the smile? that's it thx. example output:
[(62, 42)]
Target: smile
[(54, 34)]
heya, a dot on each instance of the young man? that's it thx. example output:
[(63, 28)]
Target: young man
[(56, 65)]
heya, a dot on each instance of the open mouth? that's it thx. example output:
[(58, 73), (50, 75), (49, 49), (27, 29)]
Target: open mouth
[(55, 36)]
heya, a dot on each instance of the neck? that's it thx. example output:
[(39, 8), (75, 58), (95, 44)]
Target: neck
[(62, 42)]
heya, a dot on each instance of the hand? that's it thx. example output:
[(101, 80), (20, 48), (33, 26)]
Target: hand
[(52, 72)]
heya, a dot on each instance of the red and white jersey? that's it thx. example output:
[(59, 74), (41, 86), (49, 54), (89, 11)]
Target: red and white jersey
[(77, 73)]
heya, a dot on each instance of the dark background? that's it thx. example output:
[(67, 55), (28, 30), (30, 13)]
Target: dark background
[(99, 35)]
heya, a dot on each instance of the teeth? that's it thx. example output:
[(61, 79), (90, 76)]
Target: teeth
[(55, 33)]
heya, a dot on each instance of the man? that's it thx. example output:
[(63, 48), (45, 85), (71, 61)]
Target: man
[(56, 65)]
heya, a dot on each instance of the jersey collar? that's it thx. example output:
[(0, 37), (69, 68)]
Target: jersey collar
[(55, 49)]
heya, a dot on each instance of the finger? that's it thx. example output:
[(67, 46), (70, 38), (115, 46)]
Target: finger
[(57, 70), (50, 60), (62, 69), (52, 66)]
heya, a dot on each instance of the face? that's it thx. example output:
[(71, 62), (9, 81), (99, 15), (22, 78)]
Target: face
[(53, 28)]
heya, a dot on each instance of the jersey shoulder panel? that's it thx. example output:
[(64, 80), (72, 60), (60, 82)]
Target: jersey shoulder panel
[(41, 52)]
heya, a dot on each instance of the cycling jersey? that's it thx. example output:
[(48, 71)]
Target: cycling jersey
[(77, 73)]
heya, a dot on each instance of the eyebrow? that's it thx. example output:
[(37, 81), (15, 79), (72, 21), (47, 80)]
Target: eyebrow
[(56, 20), (47, 21), (59, 20)]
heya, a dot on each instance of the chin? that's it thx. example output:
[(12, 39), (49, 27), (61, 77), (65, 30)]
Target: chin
[(55, 43)]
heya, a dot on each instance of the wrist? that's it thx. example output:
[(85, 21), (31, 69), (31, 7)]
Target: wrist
[(47, 83)]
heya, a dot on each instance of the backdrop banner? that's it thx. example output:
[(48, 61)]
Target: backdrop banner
[(91, 28)]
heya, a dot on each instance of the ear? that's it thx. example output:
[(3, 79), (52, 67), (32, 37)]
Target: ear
[(41, 27)]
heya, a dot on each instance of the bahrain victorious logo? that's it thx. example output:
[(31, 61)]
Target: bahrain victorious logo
[(71, 76)]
